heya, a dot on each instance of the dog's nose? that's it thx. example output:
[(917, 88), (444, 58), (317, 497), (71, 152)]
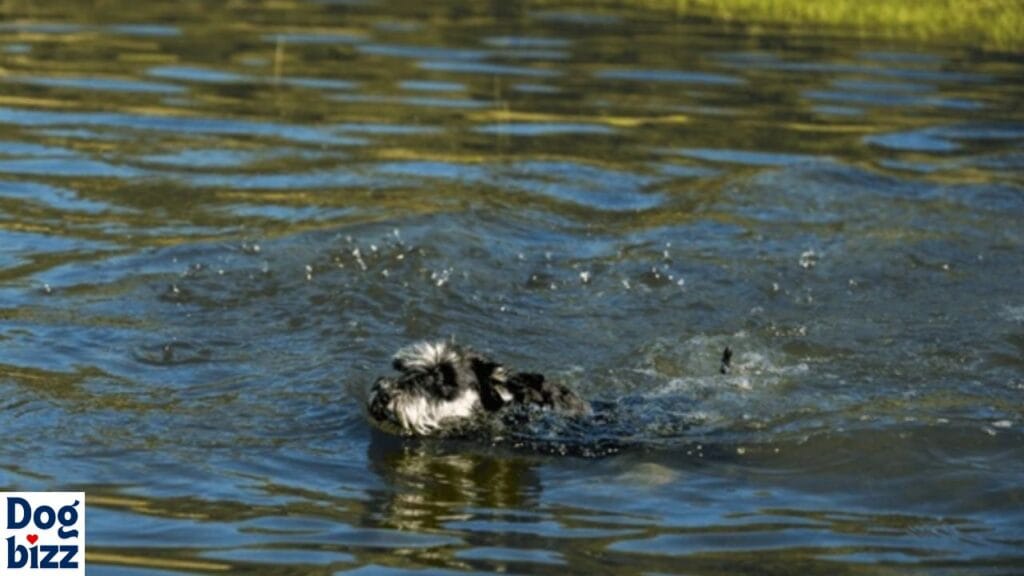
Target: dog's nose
[(379, 405), (380, 398)]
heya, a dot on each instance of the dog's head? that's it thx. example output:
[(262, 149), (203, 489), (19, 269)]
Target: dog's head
[(440, 387)]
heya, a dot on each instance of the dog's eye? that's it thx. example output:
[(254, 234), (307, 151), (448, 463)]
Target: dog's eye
[(446, 381)]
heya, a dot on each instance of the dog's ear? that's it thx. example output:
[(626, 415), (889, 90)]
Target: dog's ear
[(483, 367), (490, 377), (494, 396)]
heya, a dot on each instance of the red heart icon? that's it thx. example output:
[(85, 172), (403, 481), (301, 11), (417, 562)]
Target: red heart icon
[(32, 538)]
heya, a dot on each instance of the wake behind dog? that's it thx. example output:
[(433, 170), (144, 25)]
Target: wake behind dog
[(445, 390)]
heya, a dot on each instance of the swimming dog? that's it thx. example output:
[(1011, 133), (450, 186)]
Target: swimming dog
[(444, 389)]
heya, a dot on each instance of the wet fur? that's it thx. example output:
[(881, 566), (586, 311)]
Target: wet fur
[(442, 389)]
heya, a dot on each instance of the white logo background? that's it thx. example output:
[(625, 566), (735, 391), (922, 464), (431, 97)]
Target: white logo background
[(42, 533)]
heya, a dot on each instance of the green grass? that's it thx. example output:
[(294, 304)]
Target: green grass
[(988, 24)]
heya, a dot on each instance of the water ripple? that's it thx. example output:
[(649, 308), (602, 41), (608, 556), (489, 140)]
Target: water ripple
[(218, 222), (670, 76)]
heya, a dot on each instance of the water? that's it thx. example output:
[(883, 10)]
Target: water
[(218, 222)]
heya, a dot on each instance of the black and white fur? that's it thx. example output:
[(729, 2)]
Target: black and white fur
[(442, 388)]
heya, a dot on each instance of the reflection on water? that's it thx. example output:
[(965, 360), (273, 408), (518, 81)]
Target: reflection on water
[(217, 221), (434, 484)]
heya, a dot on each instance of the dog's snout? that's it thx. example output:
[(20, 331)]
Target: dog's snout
[(380, 398)]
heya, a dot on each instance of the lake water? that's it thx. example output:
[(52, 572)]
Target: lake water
[(218, 223)]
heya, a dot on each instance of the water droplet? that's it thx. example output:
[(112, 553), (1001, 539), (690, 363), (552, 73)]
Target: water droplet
[(359, 258), (808, 260), (441, 278)]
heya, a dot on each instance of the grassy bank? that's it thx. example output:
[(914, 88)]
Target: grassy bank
[(988, 24)]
